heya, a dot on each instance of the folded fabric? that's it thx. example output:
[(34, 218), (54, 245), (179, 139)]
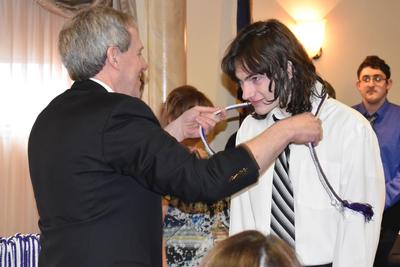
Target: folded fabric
[(20, 250)]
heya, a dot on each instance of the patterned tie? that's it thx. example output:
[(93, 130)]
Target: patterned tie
[(282, 209), (371, 118)]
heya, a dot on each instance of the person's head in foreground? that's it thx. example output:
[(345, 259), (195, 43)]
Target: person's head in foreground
[(251, 249), (181, 99)]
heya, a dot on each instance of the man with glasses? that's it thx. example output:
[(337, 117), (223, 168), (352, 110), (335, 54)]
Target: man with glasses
[(374, 83)]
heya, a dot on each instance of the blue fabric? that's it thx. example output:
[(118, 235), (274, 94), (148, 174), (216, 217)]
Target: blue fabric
[(19, 251), (243, 14), (387, 129)]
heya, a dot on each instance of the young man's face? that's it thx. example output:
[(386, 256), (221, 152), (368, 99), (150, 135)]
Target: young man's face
[(255, 90), (373, 85)]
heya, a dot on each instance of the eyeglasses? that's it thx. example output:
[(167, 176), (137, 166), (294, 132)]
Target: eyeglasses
[(377, 79)]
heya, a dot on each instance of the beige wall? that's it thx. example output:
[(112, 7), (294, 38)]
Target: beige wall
[(354, 29), (211, 25)]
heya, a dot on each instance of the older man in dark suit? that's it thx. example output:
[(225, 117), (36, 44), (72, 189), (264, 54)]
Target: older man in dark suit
[(99, 159)]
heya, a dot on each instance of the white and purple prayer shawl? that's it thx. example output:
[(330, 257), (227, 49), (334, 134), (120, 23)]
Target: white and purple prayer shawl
[(340, 204), (19, 250)]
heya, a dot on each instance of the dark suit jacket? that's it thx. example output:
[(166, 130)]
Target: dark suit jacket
[(99, 162)]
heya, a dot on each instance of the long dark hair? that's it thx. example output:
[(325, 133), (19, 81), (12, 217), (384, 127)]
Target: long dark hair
[(269, 47)]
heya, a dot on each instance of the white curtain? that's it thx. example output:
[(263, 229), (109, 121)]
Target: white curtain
[(31, 74)]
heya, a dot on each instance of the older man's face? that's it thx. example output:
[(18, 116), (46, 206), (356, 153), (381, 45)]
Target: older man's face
[(132, 65)]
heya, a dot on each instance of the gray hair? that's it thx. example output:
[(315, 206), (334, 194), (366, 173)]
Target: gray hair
[(84, 40)]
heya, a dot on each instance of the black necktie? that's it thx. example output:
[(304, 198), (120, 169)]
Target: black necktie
[(282, 208), (371, 118)]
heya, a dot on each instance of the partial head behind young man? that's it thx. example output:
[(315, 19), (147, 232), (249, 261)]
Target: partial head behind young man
[(178, 101)]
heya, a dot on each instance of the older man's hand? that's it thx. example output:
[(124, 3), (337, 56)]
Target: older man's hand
[(187, 125)]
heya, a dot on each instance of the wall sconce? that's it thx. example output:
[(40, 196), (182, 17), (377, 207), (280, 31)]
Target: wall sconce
[(311, 35)]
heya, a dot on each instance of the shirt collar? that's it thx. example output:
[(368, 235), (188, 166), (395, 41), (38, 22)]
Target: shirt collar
[(383, 108), (282, 113), (380, 110), (108, 88)]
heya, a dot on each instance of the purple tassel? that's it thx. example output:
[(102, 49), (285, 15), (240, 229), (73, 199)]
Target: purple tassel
[(365, 209)]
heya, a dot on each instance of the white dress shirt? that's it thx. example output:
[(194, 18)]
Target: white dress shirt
[(106, 86), (349, 155)]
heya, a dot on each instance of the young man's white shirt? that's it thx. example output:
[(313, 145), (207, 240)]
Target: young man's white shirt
[(349, 155)]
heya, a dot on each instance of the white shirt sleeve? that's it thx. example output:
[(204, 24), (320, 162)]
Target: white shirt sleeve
[(362, 181)]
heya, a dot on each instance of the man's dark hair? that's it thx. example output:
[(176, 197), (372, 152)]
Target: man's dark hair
[(376, 63), (269, 47)]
